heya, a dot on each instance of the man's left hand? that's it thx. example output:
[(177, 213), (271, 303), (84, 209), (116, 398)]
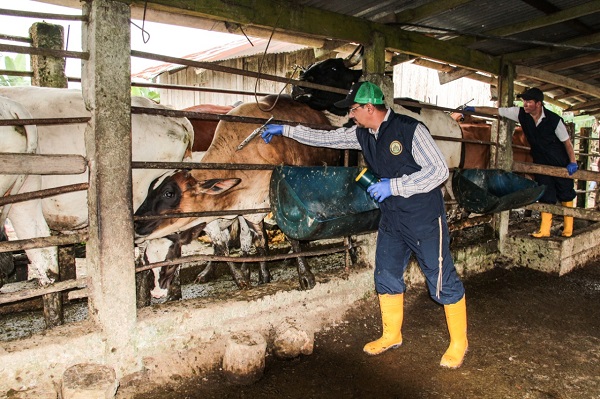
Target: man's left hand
[(572, 168), (380, 190)]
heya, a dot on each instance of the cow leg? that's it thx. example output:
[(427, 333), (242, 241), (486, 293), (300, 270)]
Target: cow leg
[(262, 248), (157, 251), (28, 222), (307, 279), (220, 238), (207, 274)]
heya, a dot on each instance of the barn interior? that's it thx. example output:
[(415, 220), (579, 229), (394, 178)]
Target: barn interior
[(551, 45)]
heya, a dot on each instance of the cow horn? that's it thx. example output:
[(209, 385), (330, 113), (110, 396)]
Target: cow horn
[(354, 58)]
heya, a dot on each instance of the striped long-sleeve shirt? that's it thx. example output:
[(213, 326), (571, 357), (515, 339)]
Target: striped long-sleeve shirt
[(426, 153)]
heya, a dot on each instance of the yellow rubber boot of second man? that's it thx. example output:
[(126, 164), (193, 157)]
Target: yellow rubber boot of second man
[(567, 221), (545, 226), (392, 313)]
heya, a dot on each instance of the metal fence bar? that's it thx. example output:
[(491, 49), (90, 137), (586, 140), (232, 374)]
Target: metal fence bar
[(239, 259)]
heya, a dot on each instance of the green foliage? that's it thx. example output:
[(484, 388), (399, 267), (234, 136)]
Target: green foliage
[(145, 92), (17, 63)]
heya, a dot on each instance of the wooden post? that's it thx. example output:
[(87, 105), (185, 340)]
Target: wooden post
[(49, 71), (110, 247)]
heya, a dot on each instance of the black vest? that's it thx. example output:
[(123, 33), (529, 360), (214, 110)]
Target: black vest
[(546, 148), (390, 155)]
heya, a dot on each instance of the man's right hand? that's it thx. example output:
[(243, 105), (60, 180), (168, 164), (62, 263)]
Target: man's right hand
[(469, 108), (270, 131)]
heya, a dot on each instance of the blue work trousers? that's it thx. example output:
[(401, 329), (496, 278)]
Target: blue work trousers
[(398, 238)]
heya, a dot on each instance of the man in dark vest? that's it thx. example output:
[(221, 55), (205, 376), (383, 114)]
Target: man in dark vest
[(400, 151), (550, 145)]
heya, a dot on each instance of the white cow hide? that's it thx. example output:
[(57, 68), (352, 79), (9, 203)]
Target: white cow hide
[(24, 140), (154, 138)]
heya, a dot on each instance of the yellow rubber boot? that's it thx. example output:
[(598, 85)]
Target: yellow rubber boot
[(544, 230), (567, 221), (456, 318), (392, 313)]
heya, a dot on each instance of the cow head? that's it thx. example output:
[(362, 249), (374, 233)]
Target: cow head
[(175, 192), (334, 72)]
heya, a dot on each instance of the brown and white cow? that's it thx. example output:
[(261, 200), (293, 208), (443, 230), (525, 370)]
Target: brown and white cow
[(204, 129), (219, 190)]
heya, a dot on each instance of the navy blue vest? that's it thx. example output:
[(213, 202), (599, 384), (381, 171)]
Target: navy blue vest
[(390, 155), (546, 148)]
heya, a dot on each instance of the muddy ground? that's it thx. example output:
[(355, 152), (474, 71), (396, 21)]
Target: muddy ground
[(531, 336)]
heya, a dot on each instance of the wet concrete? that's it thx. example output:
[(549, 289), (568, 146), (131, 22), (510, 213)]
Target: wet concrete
[(532, 336)]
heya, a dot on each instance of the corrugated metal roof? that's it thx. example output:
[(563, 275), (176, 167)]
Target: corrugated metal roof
[(236, 49), (566, 38)]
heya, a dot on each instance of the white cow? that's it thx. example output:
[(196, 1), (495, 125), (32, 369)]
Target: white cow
[(23, 140), (154, 138)]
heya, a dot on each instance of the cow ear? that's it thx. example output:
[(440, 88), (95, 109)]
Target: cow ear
[(215, 186)]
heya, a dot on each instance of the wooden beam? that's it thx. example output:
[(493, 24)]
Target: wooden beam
[(585, 105), (536, 23), (34, 164), (457, 73), (570, 63), (558, 80), (581, 41), (580, 213)]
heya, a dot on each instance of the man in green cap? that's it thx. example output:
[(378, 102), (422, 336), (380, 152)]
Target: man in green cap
[(400, 151)]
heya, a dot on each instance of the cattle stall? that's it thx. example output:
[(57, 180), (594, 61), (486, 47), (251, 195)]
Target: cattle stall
[(177, 337)]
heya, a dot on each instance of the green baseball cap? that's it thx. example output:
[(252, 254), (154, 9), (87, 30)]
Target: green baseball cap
[(362, 93)]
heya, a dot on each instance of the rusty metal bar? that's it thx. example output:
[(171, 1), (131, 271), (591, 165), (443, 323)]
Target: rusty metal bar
[(16, 73), (461, 140), (232, 212), (9, 48), (217, 258), (22, 39), (220, 68), (199, 165), (228, 118), (42, 121), (49, 192), (32, 293), (42, 15), (196, 88)]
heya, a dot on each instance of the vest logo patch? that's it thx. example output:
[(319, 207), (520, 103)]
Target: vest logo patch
[(396, 147)]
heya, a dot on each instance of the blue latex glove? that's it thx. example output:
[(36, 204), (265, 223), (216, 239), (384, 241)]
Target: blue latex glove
[(572, 168), (468, 108), (381, 190), (271, 131)]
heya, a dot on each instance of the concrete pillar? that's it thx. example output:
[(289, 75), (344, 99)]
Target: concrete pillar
[(48, 71), (504, 154), (110, 248)]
